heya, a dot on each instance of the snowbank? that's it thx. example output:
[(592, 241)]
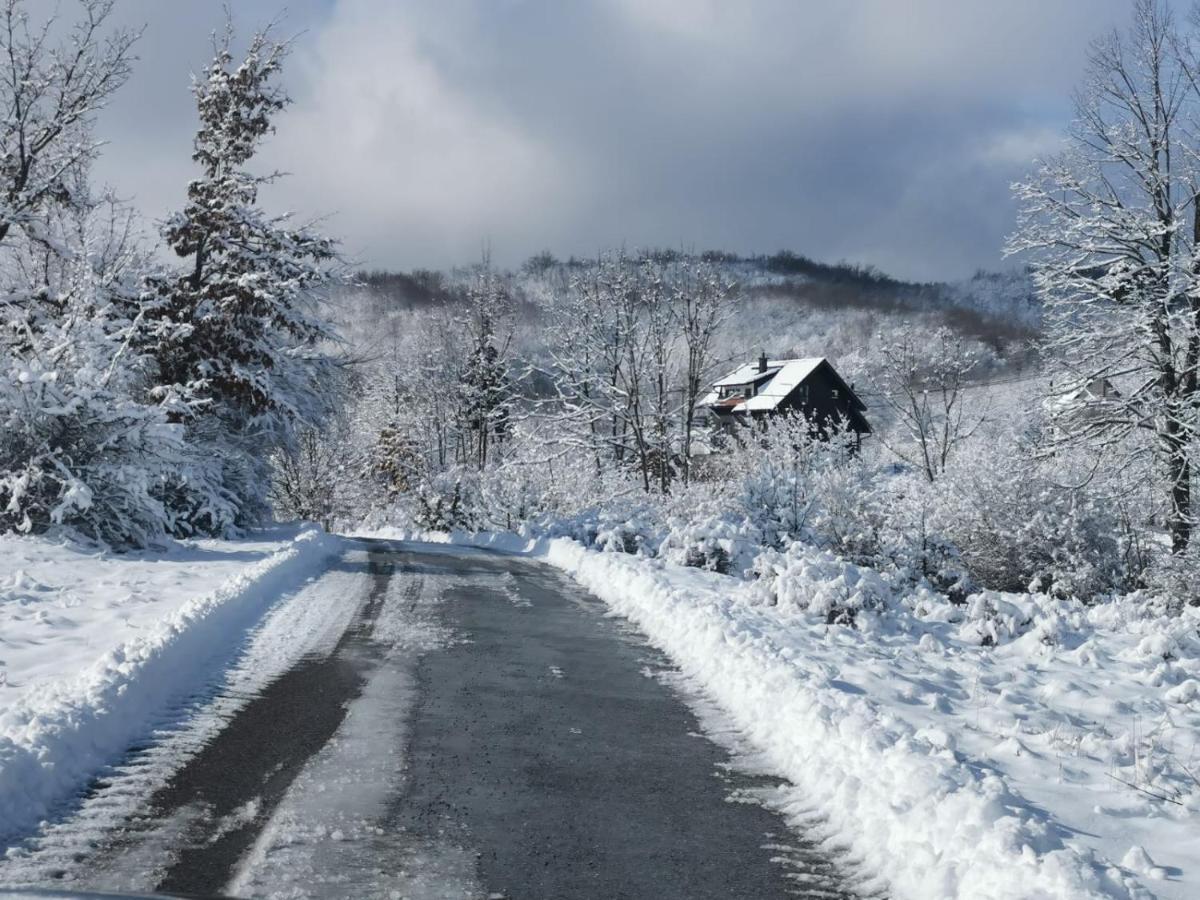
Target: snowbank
[(95, 647), (929, 756)]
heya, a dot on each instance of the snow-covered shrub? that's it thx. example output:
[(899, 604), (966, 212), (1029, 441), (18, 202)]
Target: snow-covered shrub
[(636, 530), (778, 495), (992, 618), (797, 485), (711, 542), (530, 481), (445, 503), (914, 543), (79, 452), (307, 481), (1071, 548), (1018, 528), (851, 512), (818, 582), (86, 441), (511, 495), (1173, 581)]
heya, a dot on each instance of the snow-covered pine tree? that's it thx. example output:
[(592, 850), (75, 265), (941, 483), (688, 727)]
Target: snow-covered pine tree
[(483, 392), (241, 328)]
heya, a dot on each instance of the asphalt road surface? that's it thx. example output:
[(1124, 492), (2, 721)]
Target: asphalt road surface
[(540, 755)]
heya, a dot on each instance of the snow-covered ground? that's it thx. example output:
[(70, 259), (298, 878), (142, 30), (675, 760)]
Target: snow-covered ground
[(94, 646), (1054, 764)]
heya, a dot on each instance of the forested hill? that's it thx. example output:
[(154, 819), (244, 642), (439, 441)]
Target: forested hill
[(996, 307)]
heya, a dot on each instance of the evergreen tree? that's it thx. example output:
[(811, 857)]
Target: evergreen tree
[(483, 391), (240, 327)]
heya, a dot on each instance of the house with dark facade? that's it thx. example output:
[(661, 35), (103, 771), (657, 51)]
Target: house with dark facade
[(771, 387)]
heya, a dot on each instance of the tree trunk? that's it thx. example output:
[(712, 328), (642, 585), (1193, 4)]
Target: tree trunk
[(1179, 473)]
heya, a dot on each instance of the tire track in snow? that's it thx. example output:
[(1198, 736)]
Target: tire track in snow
[(125, 835), (247, 763)]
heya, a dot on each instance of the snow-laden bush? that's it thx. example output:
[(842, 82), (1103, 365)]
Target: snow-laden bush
[(80, 452), (512, 495), (914, 543), (86, 441), (992, 618), (446, 503), (1017, 528), (307, 480), (820, 583), (711, 542), (635, 529), (852, 510), (798, 485), (1173, 581), (531, 481), (778, 495)]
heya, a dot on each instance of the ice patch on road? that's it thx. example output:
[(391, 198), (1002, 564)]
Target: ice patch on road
[(511, 589), (330, 836)]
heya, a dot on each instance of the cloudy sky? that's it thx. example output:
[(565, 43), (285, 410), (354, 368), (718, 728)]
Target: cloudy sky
[(876, 131)]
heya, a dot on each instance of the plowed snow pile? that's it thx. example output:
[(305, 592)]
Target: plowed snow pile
[(93, 646)]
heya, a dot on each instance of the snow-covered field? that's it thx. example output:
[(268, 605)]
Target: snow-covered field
[(1056, 763), (93, 647)]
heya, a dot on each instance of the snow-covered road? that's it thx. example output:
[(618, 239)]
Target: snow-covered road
[(427, 721)]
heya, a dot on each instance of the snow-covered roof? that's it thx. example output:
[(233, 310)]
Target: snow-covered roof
[(749, 373), (1098, 391), (785, 376), (790, 376)]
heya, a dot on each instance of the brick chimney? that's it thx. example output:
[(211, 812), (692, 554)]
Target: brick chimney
[(762, 362)]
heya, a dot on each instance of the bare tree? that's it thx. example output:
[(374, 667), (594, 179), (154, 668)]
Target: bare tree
[(306, 477), (657, 335), (49, 95), (1114, 228), (587, 333), (630, 344), (921, 381), (704, 301)]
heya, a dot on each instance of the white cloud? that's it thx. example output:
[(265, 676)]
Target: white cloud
[(1020, 146), (416, 167)]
